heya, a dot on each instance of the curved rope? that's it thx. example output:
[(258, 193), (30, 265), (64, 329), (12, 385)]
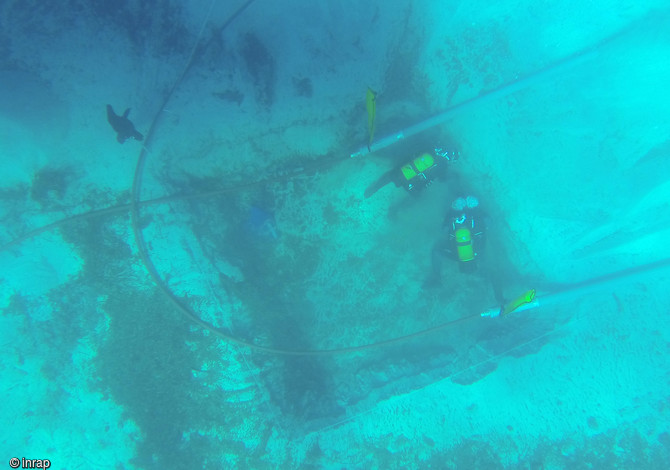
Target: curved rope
[(178, 302), (135, 205), (151, 268)]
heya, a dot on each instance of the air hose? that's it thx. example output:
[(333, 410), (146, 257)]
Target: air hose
[(570, 291), (530, 300), (506, 89)]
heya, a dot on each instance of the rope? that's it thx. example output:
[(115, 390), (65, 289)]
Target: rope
[(178, 302), (135, 205)]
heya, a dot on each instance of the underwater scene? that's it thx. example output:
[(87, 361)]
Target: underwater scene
[(333, 234)]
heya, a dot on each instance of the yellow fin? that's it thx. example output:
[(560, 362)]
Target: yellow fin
[(370, 103), (526, 298)]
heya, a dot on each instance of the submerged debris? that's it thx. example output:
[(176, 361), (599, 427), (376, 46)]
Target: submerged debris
[(231, 96), (303, 87), (261, 66)]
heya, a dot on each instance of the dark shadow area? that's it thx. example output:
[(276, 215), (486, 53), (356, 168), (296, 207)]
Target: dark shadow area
[(260, 65), (50, 186), (303, 388)]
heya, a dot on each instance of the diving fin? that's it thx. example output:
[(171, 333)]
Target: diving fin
[(370, 104)]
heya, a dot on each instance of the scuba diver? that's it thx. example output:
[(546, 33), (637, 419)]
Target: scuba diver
[(416, 174), (122, 126), (465, 239)]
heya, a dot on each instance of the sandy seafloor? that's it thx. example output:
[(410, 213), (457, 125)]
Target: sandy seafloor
[(100, 370)]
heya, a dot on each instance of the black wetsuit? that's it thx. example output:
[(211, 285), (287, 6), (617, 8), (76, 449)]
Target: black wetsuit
[(413, 186), (122, 126), (446, 245)]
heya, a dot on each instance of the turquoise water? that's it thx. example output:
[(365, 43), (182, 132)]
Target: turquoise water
[(223, 295)]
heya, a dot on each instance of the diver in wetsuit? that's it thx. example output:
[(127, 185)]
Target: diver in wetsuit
[(417, 174), (464, 242), (122, 126), (465, 238)]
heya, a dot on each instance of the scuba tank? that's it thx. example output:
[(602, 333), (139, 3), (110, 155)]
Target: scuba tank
[(464, 248)]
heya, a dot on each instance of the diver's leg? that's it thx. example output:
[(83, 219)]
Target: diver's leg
[(382, 181), (496, 283), (438, 253)]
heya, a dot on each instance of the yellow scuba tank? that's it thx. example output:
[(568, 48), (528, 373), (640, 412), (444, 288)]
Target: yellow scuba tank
[(464, 247), (408, 171), (417, 166), (424, 162)]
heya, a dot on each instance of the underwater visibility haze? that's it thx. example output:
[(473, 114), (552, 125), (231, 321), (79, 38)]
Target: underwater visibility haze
[(335, 234)]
